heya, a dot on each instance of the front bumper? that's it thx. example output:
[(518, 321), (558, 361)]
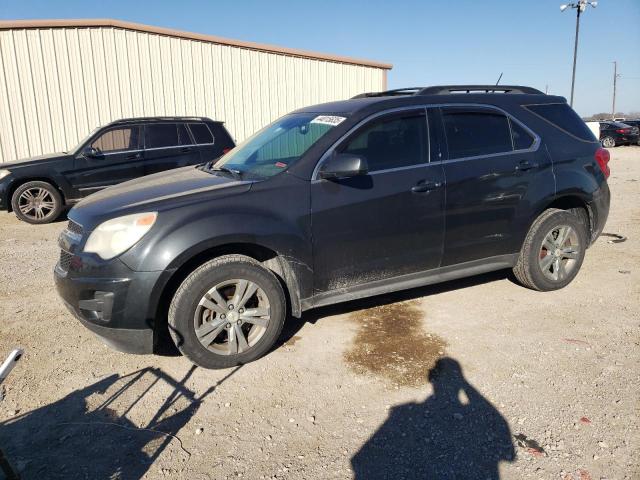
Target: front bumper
[(115, 305)]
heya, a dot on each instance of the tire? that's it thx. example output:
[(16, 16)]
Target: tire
[(544, 264), (206, 326), (608, 142), (37, 202)]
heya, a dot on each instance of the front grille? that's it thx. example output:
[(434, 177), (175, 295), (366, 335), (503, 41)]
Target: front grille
[(73, 227), (65, 260)]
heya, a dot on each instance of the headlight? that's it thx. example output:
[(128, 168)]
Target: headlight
[(114, 236), (4, 173)]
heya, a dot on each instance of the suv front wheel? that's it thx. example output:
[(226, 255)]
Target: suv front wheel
[(553, 251), (227, 312)]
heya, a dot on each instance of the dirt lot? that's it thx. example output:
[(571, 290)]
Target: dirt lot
[(530, 385)]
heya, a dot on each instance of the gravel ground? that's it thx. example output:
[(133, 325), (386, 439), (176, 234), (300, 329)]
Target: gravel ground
[(490, 381)]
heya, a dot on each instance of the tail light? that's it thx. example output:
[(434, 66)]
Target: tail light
[(623, 130), (602, 157)]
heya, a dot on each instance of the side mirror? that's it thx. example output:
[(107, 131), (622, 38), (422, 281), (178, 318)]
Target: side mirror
[(90, 152), (344, 165)]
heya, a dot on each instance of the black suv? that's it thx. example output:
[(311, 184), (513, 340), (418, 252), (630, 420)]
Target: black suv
[(613, 134), (335, 202), (38, 188)]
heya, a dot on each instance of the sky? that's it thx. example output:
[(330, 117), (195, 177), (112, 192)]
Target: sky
[(429, 42)]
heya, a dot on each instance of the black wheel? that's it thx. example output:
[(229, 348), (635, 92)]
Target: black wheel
[(227, 312), (608, 142), (553, 251), (37, 202)]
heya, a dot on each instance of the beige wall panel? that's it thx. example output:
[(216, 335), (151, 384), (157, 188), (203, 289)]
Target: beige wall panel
[(58, 84)]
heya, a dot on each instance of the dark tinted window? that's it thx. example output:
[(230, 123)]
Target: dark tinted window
[(393, 142), (475, 132), (201, 133), (562, 116), (166, 135), (521, 138), (118, 139)]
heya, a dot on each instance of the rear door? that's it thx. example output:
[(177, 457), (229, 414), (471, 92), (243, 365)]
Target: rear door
[(493, 163), (386, 223), (168, 146), (119, 158)]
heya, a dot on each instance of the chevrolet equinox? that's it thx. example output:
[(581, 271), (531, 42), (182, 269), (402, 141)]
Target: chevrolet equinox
[(333, 202)]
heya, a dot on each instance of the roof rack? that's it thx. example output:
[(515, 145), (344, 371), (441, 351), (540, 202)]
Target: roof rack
[(160, 118), (450, 89)]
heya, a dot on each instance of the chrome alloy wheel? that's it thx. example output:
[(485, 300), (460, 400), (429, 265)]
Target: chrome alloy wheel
[(36, 203), (232, 317), (559, 252)]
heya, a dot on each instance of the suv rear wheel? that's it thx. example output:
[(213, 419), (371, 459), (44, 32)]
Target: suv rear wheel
[(553, 251), (227, 312), (36, 202)]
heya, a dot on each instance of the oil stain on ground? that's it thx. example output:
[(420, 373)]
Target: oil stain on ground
[(391, 343)]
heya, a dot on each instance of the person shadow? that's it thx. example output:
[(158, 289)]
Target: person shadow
[(115, 428), (454, 434)]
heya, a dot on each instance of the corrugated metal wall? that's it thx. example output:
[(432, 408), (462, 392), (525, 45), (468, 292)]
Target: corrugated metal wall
[(58, 84)]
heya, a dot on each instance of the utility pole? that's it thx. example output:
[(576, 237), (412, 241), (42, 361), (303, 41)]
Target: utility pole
[(615, 78), (575, 51)]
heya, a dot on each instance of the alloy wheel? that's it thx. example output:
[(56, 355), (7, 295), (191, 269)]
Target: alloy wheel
[(36, 203), (559, 252), (232, 317)]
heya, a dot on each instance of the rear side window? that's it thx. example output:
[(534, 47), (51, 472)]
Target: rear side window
[(474, 132), (565, 118), (164, 135), (522, 140), (397, 141), (201, 133), (118, 139)]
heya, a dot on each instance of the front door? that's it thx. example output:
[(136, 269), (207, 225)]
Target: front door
[(118, 157), (167, 146), (388, 222)]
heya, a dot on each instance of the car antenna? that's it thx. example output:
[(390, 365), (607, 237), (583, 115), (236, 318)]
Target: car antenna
[(499, 78)]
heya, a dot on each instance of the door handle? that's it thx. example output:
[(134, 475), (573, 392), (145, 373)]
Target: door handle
[(423, 187), (185, 149), (134, 156), (524, 166)]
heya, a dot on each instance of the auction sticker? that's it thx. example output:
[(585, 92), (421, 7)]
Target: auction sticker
[(332, 120)]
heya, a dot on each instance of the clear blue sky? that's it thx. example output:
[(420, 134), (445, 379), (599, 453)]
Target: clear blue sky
[(429, 42)]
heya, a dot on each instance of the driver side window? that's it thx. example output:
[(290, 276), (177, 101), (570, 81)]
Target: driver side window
[(118, 139), (398, 140)]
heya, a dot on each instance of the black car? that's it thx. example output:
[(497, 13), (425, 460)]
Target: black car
[(38, 188), (613, 134), (634, 123), (332, 203)]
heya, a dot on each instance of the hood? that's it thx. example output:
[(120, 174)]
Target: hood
[(157, 192), (26, 162)]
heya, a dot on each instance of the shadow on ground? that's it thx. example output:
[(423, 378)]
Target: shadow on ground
[(104, 430), (455, 433)]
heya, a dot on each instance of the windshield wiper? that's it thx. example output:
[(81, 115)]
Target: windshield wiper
[(232, 171)]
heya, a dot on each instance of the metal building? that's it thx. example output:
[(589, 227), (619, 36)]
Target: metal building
[(60, 79)]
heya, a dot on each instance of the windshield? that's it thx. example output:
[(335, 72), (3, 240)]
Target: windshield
[(277, 146), (77, 148)]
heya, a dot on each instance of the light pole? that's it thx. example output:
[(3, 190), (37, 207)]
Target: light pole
[(580, 7)]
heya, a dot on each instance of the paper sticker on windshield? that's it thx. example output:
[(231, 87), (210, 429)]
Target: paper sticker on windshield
[(332, 120)]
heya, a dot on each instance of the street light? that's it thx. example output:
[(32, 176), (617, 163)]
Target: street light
[(580, 6)]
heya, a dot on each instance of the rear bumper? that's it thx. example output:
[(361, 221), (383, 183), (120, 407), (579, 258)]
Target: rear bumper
[(600, 210)]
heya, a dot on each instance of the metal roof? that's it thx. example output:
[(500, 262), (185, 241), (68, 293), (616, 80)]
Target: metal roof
[(101, 22)]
